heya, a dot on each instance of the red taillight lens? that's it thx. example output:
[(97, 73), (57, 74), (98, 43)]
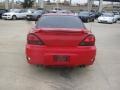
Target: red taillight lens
[(34, 40), (88, 41)]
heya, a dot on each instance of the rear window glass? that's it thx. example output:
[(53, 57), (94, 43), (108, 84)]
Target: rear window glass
[(59, 22)]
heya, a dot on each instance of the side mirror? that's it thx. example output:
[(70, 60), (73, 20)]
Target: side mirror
[(19, 12)]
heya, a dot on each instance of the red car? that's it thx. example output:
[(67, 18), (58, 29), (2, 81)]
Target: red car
[(60, 40)]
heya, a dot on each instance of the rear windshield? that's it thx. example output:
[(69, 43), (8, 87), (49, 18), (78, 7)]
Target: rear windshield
[(59, 22)]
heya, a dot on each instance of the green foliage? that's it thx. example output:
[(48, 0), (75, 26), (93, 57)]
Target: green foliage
[(27, 3)]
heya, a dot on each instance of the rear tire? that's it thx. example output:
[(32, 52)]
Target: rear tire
[(88, 20), (82, 66), (115, 21), (14, 17), (92, 20)]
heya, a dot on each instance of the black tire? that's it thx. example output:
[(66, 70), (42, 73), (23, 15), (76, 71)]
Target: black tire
[(14, 17), (115, 21), (111, 23), (88, 20), (93, 20), (82, 66)]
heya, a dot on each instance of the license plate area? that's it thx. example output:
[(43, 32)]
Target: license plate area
[(61, 58)]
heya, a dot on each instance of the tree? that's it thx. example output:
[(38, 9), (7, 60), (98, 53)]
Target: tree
[(27, 3)]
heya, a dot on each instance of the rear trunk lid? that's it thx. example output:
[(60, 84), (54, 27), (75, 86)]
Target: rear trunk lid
[(61, 37)]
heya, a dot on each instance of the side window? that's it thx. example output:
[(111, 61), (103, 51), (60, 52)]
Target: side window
[(21, 11), (2, 11), (31, 11), (25, 10), (91, 13)]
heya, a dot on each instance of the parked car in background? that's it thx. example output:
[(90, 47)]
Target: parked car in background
[(55, 10), (86, 16), (40, 9), (17, 14), (64, 11), (61, 11), (11, 14), (107, 18), (2, 11), (97, 14), (60, 40), (117, 15), (36, 15)]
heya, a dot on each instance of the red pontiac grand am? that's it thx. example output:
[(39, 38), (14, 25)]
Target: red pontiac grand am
[(60, 40)]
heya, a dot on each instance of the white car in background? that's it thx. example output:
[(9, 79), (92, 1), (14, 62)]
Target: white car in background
[(17, 14), (117, 15), (65, 11), (107, 18)]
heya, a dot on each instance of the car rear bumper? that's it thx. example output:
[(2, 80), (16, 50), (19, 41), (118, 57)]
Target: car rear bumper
[(82, 55)]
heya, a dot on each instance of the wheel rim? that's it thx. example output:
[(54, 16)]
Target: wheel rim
[(14, 17)]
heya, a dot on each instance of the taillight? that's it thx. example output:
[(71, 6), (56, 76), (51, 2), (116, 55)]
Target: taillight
[(34, 40), (88, 41)]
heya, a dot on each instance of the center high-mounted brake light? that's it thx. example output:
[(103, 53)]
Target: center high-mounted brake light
[(88, 41), (34, 40)]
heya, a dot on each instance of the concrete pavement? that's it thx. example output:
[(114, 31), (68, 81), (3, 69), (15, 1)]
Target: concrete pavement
[(17, 74)]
